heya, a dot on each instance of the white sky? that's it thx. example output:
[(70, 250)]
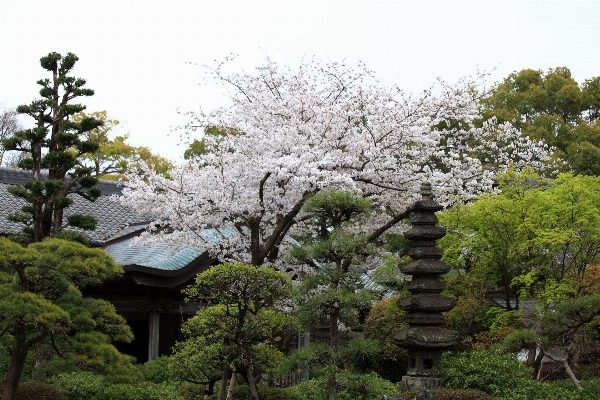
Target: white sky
[(134, 53)]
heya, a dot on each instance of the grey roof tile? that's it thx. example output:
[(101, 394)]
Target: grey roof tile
[(112, 217)]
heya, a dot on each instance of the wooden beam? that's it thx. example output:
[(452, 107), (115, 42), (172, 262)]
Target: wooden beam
[(153, 333), (173, 307)]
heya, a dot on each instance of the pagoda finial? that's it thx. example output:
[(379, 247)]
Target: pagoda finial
[(426, 192)]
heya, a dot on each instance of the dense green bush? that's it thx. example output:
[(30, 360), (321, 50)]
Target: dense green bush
[(503, 376), (242, 392), (351, 386), (84, 385), (35, 390), (157, 370), (490, 372), (452, 394), (192, 392)]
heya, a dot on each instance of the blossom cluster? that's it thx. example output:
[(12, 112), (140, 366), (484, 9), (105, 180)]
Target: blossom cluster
[(324, 125)]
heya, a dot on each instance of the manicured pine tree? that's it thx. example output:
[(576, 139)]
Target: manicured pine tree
[(333, 293), (55, 144)]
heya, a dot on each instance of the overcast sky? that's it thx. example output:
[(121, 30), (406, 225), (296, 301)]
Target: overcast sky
[(136, 54)]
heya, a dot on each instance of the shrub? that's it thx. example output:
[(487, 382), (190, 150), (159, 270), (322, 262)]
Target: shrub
[(452, 394), (242, 392), (37, 390), (157, 370), (192, 392), (351, 386), (85, 385), (489, 372), (503, 376)]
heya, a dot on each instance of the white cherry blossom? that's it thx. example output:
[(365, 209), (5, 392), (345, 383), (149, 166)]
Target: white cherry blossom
[(321, 126)]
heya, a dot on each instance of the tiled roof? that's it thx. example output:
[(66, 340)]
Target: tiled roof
[(116, 224), (165, 257), (112, 217), (162, 256)]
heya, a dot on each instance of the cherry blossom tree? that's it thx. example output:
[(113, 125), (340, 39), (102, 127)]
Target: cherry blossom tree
[(295, 132)]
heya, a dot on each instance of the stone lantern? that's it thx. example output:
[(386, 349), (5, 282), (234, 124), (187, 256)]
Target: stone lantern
[(425, 337)]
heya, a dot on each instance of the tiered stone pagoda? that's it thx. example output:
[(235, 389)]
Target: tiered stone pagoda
[(425, 337)]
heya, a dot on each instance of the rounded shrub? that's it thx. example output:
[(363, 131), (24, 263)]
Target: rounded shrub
[(350, 386), (157, 370), (84, 385)]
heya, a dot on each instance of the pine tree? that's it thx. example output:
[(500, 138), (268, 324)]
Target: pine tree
[(55, 144)]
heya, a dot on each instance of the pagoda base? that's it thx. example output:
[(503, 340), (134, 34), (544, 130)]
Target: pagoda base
[(417, 383)]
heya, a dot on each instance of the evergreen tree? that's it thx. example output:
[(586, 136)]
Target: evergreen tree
[(56, 143), (41, 307), (334, 293)]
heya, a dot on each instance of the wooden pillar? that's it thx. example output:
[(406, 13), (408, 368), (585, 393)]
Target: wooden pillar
[(153, 330)]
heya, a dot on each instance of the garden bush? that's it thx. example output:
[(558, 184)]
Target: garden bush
[(87, 386), (452, 394), (157, 370), (242, 392), (35, 390), (192, 392), (504, 377), (351, 386), (490, 372)]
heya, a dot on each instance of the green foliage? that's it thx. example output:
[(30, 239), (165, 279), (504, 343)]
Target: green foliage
[(37, 390), (535, 237), (520, 339), (488, 372), (350, 386), (157, 370), (452, 394), (383, 318), (242, 392), (241, 328), (57, 144), (113, 156), (84, 385), (553, 107), (197, 149), (504, 377), (42, 305)]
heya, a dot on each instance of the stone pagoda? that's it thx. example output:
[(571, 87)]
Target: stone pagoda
[(425, 337)]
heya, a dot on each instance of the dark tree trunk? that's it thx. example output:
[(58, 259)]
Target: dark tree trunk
[(17, 361), (334, 316), (223, 392), (250, 380)]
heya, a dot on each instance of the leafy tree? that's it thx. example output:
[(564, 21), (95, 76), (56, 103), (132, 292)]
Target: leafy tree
[(55, 144), (240, 327), (200, 148), (535, 232), (9, 124), (41, 305), (332, 293), (322, 126), (114, 156), (551, 329), (552, 106)]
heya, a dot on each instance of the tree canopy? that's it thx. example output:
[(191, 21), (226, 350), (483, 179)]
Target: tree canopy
[(552, 106), (239, 328), (41, 305), (324, 125), (114, 155)]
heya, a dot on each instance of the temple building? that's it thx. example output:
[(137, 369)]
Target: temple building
[(148, 295)]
